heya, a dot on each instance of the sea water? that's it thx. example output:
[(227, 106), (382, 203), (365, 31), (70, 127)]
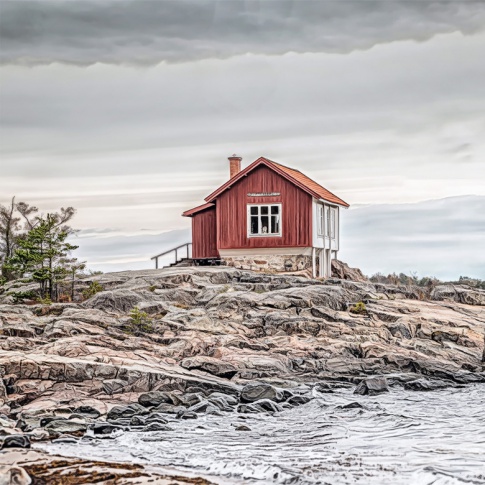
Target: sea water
[(400, 437)]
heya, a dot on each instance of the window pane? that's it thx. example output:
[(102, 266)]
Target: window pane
[(264, 209), (254, 211), (275, 209), (264, 224), (275, 225), (254, 224)]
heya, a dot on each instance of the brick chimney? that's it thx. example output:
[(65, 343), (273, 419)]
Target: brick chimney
[(234, 165)]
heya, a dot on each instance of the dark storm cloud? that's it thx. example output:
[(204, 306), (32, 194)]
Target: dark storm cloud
[(149, 32)]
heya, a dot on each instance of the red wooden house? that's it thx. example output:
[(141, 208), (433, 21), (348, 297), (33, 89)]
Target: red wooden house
[(268, 216)]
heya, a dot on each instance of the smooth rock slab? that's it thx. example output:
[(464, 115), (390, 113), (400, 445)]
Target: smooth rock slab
[(426, 385), (65, 426), (211, 365)]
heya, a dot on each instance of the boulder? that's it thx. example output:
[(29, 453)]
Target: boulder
[(299, 400), (155, 426), (221, 403), (261, 406), (204, 407), (65, 426), (154, 398), (267, 405), (129, 411), (156, 418), (114, 386), (242, 427), (229, 400), (102, 428), (166, 408), (15, 441), (14, 475), (137, 421), (372, 386), (254, 391), (88, 411), (342, 271), (184, 414)]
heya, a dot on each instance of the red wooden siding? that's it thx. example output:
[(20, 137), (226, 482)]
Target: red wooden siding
[(232, 212), (204, 234)]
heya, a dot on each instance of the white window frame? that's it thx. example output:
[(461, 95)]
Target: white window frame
[(321, 220), (269, 205), (331, 222)]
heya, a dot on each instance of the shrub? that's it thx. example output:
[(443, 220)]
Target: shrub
[(140, 321), (359, 308), (20, 296), (92, 289), (44, 301)]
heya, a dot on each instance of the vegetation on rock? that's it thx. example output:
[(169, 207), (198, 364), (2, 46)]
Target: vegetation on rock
[(92, 289), (38, 250), (429, 282), (359, 308), (140, 322)]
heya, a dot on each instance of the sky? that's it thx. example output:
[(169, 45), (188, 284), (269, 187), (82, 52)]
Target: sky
[(128, 111)]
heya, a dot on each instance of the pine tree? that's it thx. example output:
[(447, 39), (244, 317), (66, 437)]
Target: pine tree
[(9, 227), (42, 254)]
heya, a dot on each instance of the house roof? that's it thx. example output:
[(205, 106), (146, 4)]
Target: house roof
[(295, 176), (197, 209)]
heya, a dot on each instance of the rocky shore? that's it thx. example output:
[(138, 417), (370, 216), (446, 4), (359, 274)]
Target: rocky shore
[(222, 341), (26, 467)]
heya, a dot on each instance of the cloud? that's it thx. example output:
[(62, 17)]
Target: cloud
[(401, 122), (116, 252), (443, 238), (149, 32)]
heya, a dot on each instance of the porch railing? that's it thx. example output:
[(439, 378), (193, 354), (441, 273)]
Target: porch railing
[(181, 252)]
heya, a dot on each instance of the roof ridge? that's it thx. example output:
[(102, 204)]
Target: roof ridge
[(294, 175), (285, 166)]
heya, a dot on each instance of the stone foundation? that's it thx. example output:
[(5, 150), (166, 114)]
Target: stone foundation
[(270, 263)]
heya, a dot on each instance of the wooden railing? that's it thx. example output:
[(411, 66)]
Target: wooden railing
[(180, 254)]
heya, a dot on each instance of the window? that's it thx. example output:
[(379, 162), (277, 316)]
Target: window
[(331, 222), (264, 220), (320, 220)]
